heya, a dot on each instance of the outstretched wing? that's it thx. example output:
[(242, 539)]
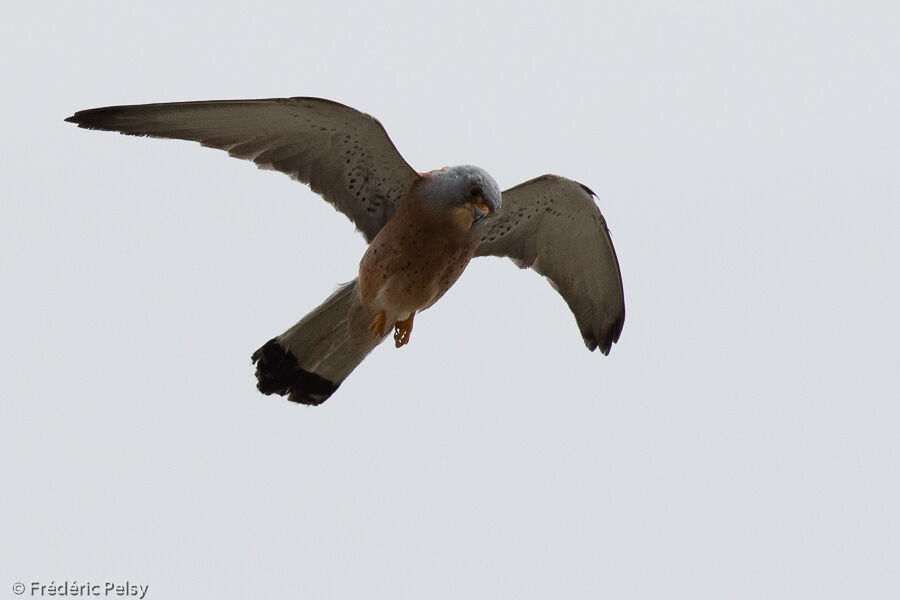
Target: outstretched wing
[(552, 225), (343, 154)]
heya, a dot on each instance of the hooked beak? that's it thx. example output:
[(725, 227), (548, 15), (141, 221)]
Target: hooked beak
[(480, 210)]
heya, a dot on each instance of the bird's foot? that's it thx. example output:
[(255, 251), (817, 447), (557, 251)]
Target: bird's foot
[(376, 327), (402, 331)]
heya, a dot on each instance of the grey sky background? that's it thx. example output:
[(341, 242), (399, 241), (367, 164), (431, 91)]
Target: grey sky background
[(739, 442)]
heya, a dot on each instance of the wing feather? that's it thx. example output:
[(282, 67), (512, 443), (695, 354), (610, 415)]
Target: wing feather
[(344, 155), (552, 225)]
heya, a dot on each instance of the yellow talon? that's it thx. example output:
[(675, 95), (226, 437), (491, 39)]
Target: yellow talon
[(376, 327), (402, 331)]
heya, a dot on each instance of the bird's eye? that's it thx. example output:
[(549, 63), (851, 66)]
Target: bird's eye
[(474, 191)]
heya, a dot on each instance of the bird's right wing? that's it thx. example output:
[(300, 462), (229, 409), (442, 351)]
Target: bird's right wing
[(552, 225), (344, 155)]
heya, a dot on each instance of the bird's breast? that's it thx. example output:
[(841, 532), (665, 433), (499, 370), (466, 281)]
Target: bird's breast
[(412, 262)]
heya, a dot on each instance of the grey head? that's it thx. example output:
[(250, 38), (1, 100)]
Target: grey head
[(465, 185)]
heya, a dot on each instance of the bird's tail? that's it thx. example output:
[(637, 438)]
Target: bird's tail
[(309, 361)]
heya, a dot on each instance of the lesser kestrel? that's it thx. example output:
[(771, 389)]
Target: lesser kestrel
[(422, 228)]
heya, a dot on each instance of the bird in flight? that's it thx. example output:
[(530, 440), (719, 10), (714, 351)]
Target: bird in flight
[(422, 228)]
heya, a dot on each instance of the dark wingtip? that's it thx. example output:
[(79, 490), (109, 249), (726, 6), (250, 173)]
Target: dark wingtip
[(605, 348), (592, 344), (605, 339), (277, 372), (102, 119), (83, 118)]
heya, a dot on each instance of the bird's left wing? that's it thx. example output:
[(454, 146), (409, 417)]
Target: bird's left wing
[(552, 225), (343, 154)]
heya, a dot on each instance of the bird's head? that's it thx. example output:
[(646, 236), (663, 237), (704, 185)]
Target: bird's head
[(468, 191)]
